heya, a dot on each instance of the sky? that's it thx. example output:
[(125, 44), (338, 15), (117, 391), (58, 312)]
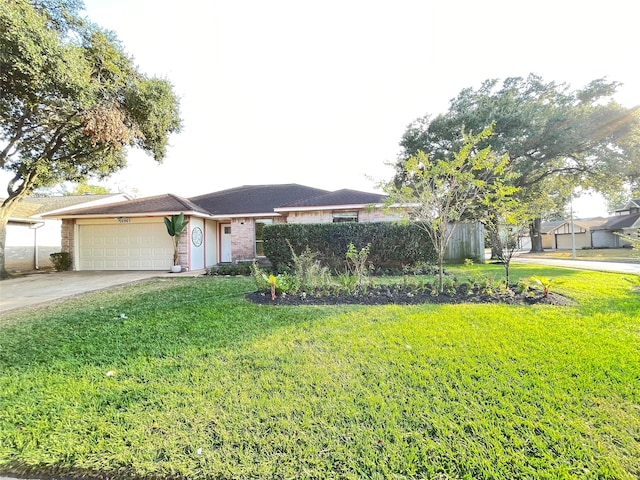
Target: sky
[(320, 92)]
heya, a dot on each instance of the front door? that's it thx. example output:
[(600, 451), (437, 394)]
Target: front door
[(196, 226), (225, 242)]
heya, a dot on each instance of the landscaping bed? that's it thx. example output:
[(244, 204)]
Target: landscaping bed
[(403, 295)]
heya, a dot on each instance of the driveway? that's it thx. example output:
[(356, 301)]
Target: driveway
[(36, 289)]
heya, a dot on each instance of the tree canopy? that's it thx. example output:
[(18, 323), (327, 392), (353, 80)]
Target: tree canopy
[(71, 101), (556, 138)]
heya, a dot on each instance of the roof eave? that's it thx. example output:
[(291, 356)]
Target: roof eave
[(61, 216), (226, 216), (329, 207)]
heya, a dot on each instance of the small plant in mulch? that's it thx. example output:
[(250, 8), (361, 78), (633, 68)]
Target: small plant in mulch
[(311, 284), (412, 294)]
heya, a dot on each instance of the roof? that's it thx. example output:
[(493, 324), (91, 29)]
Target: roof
[(548, 227), (23, 211), (619, 222), (633, 203), (339, 197), (247, 200), (56, 202), (254, 199), (585, 223), (165, 204), (33, 206)]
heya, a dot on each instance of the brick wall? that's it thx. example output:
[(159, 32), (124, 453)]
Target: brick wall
[(68, 239), (326, 216), (316, 216), (377, 215), (242, 239), (183, 250)]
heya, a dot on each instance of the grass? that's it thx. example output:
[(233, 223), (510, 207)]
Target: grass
[(181, 378)]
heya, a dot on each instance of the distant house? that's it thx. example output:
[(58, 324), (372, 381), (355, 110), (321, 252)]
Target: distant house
[(224, 226), (632, 206), (32, 238), (605, 235), (557, 234)]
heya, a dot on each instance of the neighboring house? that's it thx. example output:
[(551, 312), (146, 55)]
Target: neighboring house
[(31, 238), (632, 206), (224, 226), (557, 234), (604, 235)]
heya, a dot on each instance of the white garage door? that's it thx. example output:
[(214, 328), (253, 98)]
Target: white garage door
[(128, 246), (582, 240)]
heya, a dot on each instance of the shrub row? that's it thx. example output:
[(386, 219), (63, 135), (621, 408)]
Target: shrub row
[(393, 245)]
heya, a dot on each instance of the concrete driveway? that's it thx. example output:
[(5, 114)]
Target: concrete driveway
[(40, 288)]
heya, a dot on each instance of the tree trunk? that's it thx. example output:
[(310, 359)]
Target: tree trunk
[(506, 272), (536, 236), (496, 243), (4, 219), (6, 209), (441, 271)]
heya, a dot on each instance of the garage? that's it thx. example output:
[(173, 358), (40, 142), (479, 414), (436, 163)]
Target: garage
[(123, 244), (582, 239)]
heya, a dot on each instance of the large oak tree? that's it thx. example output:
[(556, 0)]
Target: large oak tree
[(556, 138), (71, 101)]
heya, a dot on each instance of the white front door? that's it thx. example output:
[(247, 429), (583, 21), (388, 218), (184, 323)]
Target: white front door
[(225, 242), (197, 235)]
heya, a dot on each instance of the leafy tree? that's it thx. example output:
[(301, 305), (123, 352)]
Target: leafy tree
[(556, 138), (506, 220), (441, 192), (83, 188), (71, 101)]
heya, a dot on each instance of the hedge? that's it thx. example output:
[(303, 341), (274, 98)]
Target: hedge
[(393, 244)]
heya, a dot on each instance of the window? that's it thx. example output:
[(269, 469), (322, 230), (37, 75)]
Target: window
[(259, 240), (345, 217)]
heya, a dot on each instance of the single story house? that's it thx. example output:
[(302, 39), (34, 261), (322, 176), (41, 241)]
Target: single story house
[(604, 235), (224, 226), (31, 238), (557, 234)]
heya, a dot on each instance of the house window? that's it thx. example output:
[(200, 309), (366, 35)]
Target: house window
[(345, 217), (259, 239)]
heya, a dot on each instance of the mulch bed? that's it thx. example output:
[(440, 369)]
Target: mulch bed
[(397, 295)]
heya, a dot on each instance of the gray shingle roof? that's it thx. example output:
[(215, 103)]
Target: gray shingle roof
[(244, 200), (254, 198), (164, 204), (55, 202), (339, 197), (618, 222)]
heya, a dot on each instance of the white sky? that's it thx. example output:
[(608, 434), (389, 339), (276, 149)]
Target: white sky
[(320, 92)]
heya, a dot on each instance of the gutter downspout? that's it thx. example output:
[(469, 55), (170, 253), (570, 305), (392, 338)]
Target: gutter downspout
[(35, 227)]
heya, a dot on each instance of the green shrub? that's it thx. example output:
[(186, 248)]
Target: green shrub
[(393, 245), (61, 261), (231, 269), (308, 271), (357, 263)]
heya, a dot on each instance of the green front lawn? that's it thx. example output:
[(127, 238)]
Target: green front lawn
[(182, 378)]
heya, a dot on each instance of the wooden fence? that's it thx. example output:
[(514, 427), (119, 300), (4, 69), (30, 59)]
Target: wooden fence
[(467, 241)]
